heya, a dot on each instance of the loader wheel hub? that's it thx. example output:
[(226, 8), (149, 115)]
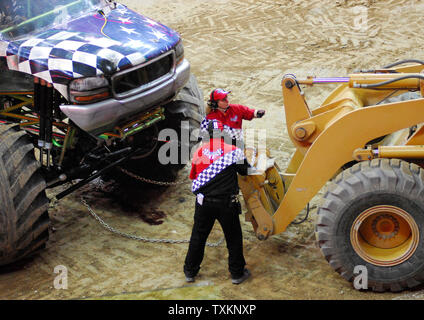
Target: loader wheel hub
[(385, 226), (384, 235)]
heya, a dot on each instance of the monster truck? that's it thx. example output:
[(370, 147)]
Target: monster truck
[(85, 86)]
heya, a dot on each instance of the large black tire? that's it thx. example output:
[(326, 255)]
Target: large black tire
[(24, 219), (189, 106), (363, 219), (187, 112)]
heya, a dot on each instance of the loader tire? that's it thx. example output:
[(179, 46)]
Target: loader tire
[(24, 219), (373, 216)]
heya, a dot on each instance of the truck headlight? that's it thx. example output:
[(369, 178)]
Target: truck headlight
[(89, 90), (179, 52)]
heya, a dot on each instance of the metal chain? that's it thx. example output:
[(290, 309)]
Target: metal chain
[(160, 183), (139, 238)]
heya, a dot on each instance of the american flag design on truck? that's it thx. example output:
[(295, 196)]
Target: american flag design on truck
[(92, 45)]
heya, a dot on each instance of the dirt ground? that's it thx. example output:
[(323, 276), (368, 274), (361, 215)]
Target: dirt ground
[(244, 46)]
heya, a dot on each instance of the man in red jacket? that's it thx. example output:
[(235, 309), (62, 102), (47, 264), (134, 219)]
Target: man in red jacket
[(214, 173), (231, 115)]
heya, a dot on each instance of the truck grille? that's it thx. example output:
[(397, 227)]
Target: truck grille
[(143, 77)]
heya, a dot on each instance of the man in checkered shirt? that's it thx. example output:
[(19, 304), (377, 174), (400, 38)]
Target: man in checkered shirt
[(214, 173)]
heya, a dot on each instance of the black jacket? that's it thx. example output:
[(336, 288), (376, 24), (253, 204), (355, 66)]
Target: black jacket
[(225, 183)]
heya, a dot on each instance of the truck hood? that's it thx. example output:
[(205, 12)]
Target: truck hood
[(99, 43)]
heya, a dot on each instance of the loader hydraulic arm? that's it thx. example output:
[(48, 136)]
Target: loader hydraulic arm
[(326, 137)]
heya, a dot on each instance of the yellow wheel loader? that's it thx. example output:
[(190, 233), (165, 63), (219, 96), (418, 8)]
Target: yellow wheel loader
[(367, 139)]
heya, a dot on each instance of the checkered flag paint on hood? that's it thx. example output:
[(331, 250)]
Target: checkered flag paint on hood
[(217, 167), (81, 49)]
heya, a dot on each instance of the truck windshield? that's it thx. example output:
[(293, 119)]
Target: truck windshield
[(20, 17)]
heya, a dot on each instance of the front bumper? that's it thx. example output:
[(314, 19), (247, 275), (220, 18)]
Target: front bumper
[(102, 116)]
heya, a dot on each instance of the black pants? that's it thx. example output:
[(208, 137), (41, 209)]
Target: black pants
[(204, 218)]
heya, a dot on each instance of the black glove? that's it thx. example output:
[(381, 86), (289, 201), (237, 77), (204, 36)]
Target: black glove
[(260, 113)]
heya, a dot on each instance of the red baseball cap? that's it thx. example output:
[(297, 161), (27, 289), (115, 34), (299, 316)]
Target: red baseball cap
[(218, 94)]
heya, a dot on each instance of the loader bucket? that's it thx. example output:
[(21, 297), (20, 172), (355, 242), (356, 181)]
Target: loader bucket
[(263, 191)]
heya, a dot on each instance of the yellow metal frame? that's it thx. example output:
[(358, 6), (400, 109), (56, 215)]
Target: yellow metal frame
[(27, 99), (326, 138)]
